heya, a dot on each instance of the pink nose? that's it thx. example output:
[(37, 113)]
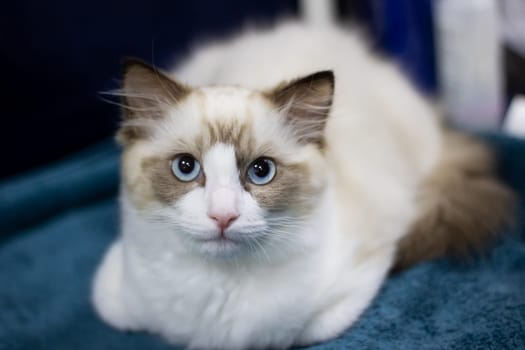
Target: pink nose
[(224, 220)]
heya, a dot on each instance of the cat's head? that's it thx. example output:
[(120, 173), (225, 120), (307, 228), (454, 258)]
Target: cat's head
[(230, 171)]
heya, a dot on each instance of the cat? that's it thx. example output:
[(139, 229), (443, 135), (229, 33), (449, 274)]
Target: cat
[(272, 181)]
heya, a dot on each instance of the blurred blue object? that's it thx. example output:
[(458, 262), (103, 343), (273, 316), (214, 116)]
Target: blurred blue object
[(404, 30)]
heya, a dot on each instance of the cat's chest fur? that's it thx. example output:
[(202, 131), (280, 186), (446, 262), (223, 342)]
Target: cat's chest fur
[(203, 306)]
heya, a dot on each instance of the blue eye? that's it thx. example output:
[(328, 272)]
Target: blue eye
[(185, 168), (261, 171)]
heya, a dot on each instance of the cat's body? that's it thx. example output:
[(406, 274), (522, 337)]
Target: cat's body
[(310, 248)]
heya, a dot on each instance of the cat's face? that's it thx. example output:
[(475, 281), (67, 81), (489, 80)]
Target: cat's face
[(231, 171)]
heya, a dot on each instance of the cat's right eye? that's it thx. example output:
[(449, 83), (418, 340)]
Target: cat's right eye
[(185, 167)]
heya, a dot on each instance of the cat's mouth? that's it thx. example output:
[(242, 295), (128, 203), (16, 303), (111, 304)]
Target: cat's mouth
[(235, 236), (226, 244), (219, 246), (219, 239)]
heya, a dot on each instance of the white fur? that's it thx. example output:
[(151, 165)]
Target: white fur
[(382, 138)]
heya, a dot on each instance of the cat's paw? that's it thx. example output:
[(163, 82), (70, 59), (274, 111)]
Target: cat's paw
[(107, 295), (330, 323)]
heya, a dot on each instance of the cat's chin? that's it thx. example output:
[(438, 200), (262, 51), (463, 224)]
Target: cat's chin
[(220, 247), (230, 246)]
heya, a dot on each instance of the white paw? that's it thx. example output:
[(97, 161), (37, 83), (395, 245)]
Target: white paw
[(334, 319), (322, 328), (107, 295)]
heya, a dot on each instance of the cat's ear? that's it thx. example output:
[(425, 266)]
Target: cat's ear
[(146, 93), (306, 103)]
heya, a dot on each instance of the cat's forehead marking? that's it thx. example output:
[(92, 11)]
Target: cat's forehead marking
[(236, 133), (226, 116), (229, 115)]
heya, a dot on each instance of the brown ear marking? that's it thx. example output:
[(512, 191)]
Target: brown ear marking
[(306, 102), (464, 206), (146, 93)]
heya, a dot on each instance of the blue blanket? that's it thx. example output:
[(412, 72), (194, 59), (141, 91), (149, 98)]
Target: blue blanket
[(56, 223)]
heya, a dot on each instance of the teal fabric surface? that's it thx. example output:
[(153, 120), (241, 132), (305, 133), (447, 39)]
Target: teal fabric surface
[(56, 223), (31, 198)]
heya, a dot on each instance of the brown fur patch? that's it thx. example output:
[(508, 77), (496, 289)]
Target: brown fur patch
[(464, 204), (166, 188), (289, 188), (231, 132), (307, 102), (146, 93)]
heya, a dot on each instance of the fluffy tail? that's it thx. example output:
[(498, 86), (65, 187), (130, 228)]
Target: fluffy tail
[(463, 205)]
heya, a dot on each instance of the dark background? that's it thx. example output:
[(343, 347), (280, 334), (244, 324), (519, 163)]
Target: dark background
[(57, 55)]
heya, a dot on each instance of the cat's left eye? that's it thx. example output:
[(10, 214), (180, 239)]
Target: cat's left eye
[(261, 171), (185, 167)]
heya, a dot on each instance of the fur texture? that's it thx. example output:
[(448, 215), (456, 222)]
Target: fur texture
[(462, 205), (360, 165)]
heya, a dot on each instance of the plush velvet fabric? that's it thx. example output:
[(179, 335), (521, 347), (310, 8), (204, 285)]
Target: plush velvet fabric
[(56, 223)]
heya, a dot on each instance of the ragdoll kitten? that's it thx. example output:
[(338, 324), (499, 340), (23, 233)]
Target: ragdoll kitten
[(264, 204)]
